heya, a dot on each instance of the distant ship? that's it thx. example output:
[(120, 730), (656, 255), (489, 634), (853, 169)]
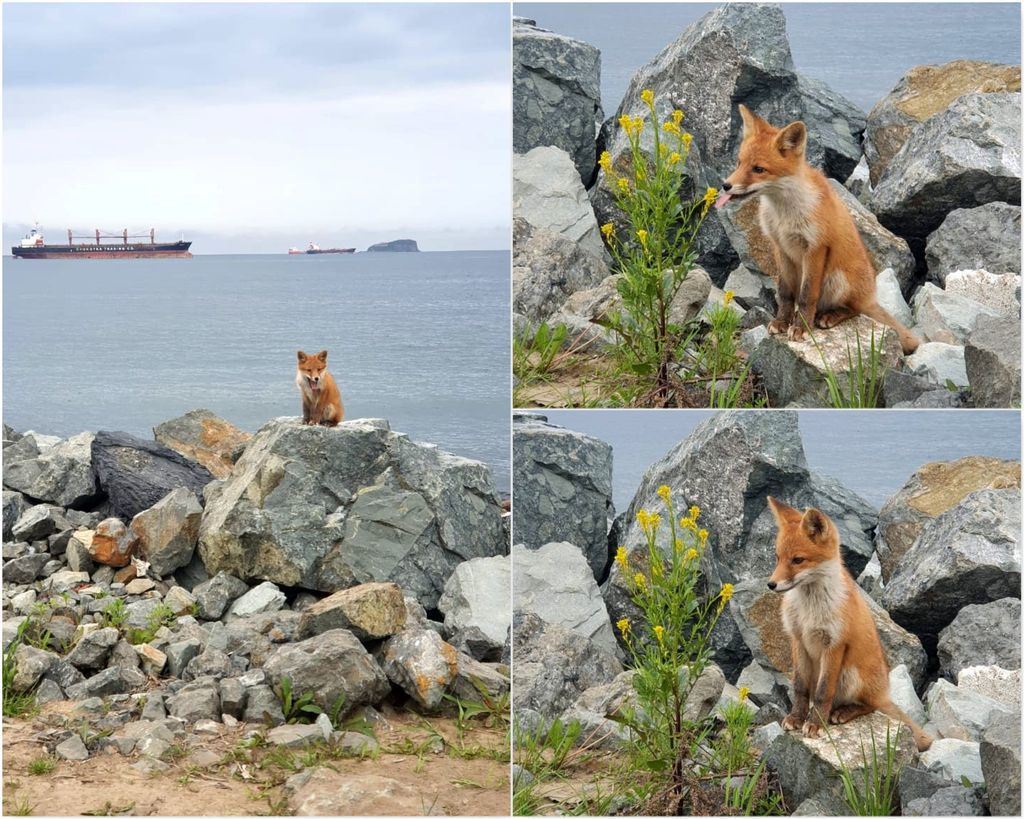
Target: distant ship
[(34, 246), (315, 249)]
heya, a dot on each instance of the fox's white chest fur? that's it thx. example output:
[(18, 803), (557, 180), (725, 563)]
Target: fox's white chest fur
[(812, 610)]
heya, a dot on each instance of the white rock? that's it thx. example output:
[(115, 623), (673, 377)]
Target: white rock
[(179, 599), (901, 689), (994, 291), (939, 362), (954, 758), (961, 713), (993, 682), (947, 316), (262, 598), (890, 296)]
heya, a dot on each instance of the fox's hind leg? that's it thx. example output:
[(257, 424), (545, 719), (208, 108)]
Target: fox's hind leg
[(830, 318)]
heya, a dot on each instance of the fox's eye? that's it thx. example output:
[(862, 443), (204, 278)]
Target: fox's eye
[(758, 169), (797, 561)]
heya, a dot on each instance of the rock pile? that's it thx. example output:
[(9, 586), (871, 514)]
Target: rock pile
[(164, 601), (940, 217)]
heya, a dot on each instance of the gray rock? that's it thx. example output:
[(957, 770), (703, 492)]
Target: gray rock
[(14, 506), (955, 800), (31, 664), (331, 665), (547, 192), (947, 316), (262, 705), (547, 268), (214, 595), (993, 682), (48, 691), (992, 362), (135, 474), (420, 663), (294, 736), (555, 583), (62, 474), (556, 94), (113, 680), (960, 713), (766, 685), (966, 156), (472, 600), (168, 531), (409, 512), (78, 557), (38, 523), (475, 681), (939, 362), (72, 749), (889, 294), (596, 710), (954, 759), (232, 697), (563, 489), (180, 654), (195, 701), (969, 554), (262, 598), (211, 663), (139, 613), (1000, 765), (902, 692), (553, 666), (24, 570), (93, 649), (979, 635), (986, 237), (824, 803), (751, 289), (999, 292)]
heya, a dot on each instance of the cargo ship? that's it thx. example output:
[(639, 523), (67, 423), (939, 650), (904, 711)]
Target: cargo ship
[(34, 246), (315, 249)]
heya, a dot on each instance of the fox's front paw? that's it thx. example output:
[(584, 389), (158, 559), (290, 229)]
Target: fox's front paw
[(795, 333), (792, 723), (777, 326), (811, 729)]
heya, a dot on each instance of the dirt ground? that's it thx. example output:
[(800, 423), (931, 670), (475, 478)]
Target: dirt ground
[(432, 769)]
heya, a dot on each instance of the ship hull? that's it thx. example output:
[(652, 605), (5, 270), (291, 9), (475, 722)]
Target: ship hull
[(142, 250), (331, 250)]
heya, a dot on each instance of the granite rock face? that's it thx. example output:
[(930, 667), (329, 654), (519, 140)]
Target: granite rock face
[(556, 92), (986, 237), (982, 635), (61, 474)]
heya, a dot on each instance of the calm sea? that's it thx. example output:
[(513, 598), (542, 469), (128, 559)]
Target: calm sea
[(871, 452), (859, 49), (421, 339)]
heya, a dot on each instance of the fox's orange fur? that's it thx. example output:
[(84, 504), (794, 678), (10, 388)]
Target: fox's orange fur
[(839, 668), (825, 273), (321, 399)]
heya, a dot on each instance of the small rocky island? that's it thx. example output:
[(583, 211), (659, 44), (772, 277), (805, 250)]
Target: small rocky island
[(396, 246)]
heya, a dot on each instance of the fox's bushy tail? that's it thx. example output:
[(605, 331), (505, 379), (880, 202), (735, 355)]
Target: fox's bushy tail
[(893, 711)]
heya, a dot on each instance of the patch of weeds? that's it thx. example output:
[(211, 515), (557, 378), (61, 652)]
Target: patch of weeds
[(162, 615), (41, 765), (114, 615), (16, 703), (865, 376), (872, 791), (542, 752), (297, 709), (489, 709), (20, 807)]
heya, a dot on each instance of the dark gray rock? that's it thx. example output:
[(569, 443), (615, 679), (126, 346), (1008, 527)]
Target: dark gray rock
[(987, 634), (904, 388), (1000, 763), (168, 531), (563, 489), (954, 800), (556, 94), (38, 523), (179, 654), (14, 506), (114, 680), (195, 701), (93, 649), (985, 238), (232, 697), (216, 594), (135, 474), (969, 554), (262, 705), (992, 359), (25, 569), (966, 156), (211, 663), (62, 474), (332, 508), (394, 246)]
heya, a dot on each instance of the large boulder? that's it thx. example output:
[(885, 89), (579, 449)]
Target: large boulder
[(947, 316), (167, 532), (553, 666), (555, 583), (794, 372), (556, 84), (547, 193), (135, 474), (423, 665), (204, 437), (727, 467), (547, 268), (999, 292), (735, 53), (563, 485), (371, 611), (980, 635), (921, 93), (962, 713), (474, 605), (986, 237), (61, 474), (330, 666), (327, 509), (992, 361), (968, 554), (963, 157), (1000, 764), (933, 489)]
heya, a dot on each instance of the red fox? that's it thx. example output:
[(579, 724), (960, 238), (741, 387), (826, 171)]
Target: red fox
[(839, 668), (321, 400), (824, 271)]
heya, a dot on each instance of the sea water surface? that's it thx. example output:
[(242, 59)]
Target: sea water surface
[(421, 339), (858, 49), (871, 452)]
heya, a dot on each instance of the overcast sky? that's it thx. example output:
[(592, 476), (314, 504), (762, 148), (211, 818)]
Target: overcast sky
[(252, 126)]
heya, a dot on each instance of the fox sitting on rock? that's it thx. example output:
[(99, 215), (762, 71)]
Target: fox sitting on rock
[(321, 399)]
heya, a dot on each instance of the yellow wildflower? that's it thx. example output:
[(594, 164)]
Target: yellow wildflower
[(647, 95), (623, 184), (623, 625), (664, 493), (677, 116), (691, 555), (671, 128), (728, 297), (687, 139), (694, 512), (659, 633), (703, 535), (674, 158), (744, 693), (642, 517), (608, 229), (726, 593), (626, 123), (679, 545), (640, 580), (710, 195), (642, 236), (620, 557), (605, 161), (654, 519), (687, 523), (663, 150), (638, 123), (657, 570)]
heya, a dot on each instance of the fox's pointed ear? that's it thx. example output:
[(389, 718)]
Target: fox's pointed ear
[(322, 355), (752, 123), (302, 356), (792, 138), (783, 513), (814, 523)]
